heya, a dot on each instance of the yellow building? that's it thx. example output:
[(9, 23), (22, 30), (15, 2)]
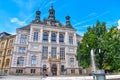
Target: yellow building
[(6, 48)]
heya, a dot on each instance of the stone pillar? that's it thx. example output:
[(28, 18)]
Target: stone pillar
[(66, 38), (41, 35), (49, 70), (31, 36), (57, 38), (58, 68), (13, 63), (27, 60), (74, 39), (49, 37)]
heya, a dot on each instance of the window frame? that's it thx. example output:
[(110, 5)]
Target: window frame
[(35, 36)]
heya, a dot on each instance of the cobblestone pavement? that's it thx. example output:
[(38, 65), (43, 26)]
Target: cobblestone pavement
[(109, 77)]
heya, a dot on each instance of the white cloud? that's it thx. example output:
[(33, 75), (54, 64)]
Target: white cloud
[(81, 33), (85, 21), (119, 24), (17, 21)]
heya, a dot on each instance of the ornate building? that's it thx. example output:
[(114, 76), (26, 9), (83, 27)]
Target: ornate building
[(6, 48), (45, 45)]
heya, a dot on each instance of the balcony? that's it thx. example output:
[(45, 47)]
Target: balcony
[(53, 59)]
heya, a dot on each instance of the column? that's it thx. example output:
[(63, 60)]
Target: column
[(66, 38), (57, 38), (58, 53), (41, 35), (58, 68), (49, 37), (31, 36), (49, 70), (14, 61), (74, 39), (27, 59)]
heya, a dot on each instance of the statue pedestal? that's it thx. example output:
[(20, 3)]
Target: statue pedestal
[(99, 75)]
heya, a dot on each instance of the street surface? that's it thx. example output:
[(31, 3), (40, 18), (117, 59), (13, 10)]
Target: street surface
[(109, 77)]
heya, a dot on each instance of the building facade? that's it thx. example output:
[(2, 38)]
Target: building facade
[(45, 46), (6, 48)]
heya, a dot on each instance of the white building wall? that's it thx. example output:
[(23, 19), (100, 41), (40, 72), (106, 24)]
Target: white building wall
[(35, 48)]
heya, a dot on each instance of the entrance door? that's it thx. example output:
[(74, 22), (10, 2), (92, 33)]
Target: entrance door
[(54, 69)]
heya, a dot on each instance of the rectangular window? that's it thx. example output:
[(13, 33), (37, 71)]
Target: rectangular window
[(32, 71), (33, 62), (70, 39), (23, 39), (19, 71), (61, 38), (53, 52), (22, 50), (73, 71), (35, 37), (53, 37), (20, 61), (62, 68), (45, 36), (62, 53), (71, 61), (45, 52)]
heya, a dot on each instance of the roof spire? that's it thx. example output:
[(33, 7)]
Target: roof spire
[(37, 18), (68, 24), (68, 20), (51, 13)]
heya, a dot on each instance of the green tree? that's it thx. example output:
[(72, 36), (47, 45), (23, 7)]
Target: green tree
[(106, 45)]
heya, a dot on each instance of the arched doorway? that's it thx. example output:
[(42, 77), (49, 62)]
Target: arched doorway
[(54, 69)]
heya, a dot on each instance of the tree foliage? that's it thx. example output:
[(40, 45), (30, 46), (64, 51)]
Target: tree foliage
[(106, 45)]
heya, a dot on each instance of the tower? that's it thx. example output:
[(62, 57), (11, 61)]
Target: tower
[(51, 13), (68, 24), (37, 18)]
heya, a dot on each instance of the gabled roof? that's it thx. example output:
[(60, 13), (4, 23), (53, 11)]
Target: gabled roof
[(27, 27), (4, 35)]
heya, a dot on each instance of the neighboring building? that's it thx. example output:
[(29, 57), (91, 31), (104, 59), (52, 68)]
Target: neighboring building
[(45, 46), (6, 48), (79, 38)]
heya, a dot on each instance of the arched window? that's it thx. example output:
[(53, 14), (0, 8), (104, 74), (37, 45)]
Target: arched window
[(45, 36), (61, 38), (33, 60), (7, 62), (53, 37)]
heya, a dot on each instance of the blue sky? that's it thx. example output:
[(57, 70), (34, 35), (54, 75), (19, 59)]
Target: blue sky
[(84, 13)]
